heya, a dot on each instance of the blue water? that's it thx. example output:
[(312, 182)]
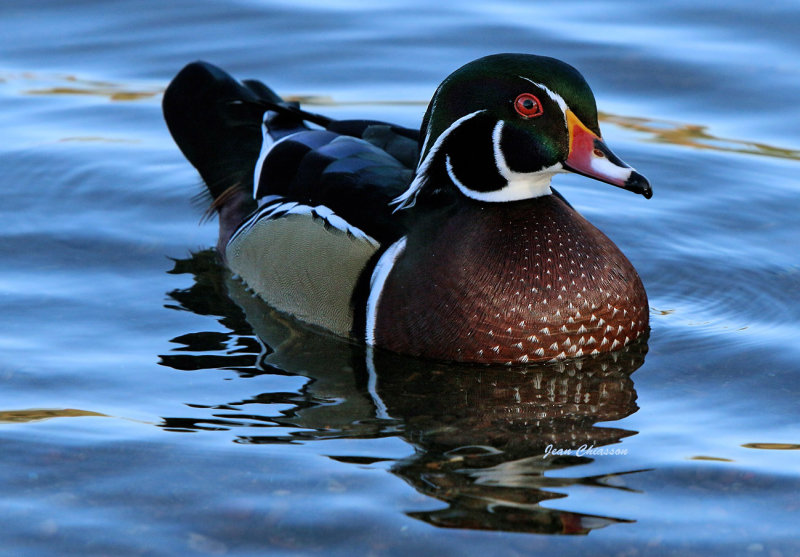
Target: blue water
[(150, 407)]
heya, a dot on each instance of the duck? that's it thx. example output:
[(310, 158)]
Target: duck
[(444, 243)]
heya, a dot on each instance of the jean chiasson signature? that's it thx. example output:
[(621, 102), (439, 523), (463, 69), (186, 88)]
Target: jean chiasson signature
[(584, 450)]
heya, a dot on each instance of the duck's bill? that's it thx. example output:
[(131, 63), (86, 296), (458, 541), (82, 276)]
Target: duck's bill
[(590, 156)]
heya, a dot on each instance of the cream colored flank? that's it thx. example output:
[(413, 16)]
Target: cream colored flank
[(302, 265)]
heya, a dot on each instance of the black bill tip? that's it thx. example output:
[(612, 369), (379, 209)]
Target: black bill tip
[(638, 184)]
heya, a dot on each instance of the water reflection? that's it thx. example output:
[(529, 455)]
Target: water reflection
[(695, 136), (488, 442), (74, 85), (39, 414)]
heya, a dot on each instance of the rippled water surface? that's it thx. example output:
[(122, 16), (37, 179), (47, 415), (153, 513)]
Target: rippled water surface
[(150, 406)]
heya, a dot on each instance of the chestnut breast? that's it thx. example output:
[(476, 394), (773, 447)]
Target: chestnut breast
[(514, 282)]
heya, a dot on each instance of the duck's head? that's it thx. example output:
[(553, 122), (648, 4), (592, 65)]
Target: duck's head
[(500, 127)]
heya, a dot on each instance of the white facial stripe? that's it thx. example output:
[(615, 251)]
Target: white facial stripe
[(519, 185), (450, 172), (428, 134), (377, 282), (562, 104), (408, 197), (499, 157), (439, 140)]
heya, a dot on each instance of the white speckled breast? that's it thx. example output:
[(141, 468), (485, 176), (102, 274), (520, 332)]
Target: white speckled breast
[(509, 283)]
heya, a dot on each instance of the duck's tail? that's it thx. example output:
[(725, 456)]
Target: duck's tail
[(218, 124)]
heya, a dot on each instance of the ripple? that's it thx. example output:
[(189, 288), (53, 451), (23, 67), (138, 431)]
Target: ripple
[(753, 304)]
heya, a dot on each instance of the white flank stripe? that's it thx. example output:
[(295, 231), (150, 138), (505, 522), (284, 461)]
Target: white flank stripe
[(268, 200), (381, 411), (279, 207), (337, 222), (300, 210), (244, 227), (376, 283), (323, 211), (269, 211)]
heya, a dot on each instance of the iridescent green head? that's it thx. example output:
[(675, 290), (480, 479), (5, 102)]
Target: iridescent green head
[(498, 129)]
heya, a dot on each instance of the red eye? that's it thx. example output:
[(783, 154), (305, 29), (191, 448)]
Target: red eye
[(528, 106)]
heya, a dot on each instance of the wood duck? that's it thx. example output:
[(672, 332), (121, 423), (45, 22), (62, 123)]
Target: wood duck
[(446, 243)]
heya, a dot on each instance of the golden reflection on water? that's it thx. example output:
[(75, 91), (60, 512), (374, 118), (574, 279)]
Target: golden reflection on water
[(711, 458), (773, 446), (73, 85), (695, 136), (660, 131), (96, 138), (112, 94), (38, 414)]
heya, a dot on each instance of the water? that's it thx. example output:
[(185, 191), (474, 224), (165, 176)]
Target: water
[(141, 415)]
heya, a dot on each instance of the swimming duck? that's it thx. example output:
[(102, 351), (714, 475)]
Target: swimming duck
[(447, 242)]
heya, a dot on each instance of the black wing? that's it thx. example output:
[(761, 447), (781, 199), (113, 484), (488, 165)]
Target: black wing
[(237, 133)]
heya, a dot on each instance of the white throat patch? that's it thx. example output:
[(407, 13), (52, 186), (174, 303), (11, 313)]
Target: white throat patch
[(521, 185)]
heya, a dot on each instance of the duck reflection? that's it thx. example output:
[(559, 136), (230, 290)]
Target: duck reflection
[(489, 442)]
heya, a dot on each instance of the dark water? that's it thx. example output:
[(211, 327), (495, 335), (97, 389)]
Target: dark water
[(150, 407)]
